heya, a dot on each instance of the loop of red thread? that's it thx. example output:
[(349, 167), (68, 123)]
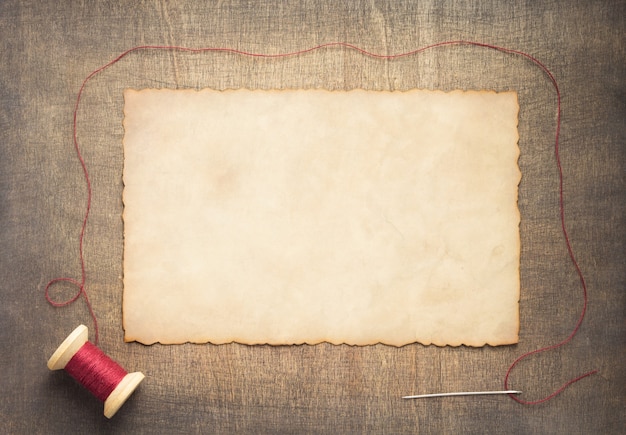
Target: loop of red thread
[(94, 370), (80, 285), (345, 45)]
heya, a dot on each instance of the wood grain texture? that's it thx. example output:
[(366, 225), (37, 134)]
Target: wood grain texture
[(50, 47)]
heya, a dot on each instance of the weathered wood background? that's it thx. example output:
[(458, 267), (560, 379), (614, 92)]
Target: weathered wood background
[(49, 47)]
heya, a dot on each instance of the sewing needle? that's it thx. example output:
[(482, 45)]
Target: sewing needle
[(462, 393)]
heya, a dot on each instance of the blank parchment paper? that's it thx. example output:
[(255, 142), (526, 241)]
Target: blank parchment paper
[(304, 216)]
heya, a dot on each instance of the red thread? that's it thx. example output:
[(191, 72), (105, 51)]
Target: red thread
[(94, 370), (81, 284)]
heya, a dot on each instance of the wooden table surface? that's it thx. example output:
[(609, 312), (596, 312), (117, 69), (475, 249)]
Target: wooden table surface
[(49, 47)]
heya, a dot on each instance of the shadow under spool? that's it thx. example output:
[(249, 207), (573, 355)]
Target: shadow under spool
[(95, 371)]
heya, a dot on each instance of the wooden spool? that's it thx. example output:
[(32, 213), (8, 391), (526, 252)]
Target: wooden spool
[(66, 351)]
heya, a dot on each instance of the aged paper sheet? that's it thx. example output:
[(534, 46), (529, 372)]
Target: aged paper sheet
[(287, 217)]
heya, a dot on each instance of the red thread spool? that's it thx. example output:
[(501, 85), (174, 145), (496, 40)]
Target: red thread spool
[(95, 371)]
